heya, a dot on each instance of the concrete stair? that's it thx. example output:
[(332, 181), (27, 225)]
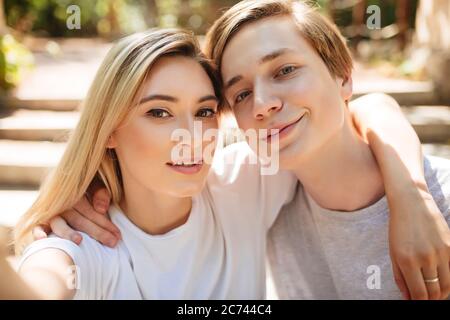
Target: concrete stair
[(38, 125)]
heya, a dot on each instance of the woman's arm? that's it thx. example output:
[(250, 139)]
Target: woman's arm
[(12, 286), (50, 274), (44, 275), (419, 237)]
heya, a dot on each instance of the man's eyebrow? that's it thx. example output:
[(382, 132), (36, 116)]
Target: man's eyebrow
[(233, 81), (273, 55), (158, 97), (268, 57)]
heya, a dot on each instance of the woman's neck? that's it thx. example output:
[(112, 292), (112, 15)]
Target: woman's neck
[(154, 213), (343, 175)]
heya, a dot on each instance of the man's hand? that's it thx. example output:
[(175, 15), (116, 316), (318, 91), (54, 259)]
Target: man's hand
[(91, 219), (420, 247)]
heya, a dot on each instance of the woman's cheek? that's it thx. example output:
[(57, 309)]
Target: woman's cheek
[(149, 142)]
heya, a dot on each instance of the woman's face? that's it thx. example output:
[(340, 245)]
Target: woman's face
[(176, 94), (279, 81)]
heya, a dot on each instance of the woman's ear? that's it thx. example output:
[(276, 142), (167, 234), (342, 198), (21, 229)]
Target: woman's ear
[(347, 88), (112, 143)]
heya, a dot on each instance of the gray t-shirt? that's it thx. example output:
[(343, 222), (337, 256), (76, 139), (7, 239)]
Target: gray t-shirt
[(315, 253)]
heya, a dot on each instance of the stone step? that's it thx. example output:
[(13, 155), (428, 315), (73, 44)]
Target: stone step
[(27, 162), (40, 104), (405, 92), (432, 123), (24, 124), (436, 149)]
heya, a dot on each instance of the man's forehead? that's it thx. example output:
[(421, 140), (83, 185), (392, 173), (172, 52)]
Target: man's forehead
[(261, 38)]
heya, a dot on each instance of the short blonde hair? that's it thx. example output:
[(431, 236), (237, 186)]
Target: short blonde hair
[(323, 35)]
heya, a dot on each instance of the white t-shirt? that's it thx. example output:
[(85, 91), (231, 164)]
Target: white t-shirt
[(219, 253)]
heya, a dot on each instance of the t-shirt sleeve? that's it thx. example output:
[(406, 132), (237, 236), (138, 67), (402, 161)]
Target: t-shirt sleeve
[(90, 270), (237, 176)]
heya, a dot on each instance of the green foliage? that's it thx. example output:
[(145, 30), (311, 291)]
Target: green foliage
[(14, 60), (48, 17)]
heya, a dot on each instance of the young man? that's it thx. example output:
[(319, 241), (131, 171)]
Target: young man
[(331, 241), (295, 75)]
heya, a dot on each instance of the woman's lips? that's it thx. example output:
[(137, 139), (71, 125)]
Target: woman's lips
[(283, 131), (186, 168)]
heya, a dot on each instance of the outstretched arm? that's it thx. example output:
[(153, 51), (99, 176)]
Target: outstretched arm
[(42, 276)]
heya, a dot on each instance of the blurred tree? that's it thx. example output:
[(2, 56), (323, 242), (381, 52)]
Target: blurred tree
[(432, 33), (151, 12), (14, 57), (2, 18)]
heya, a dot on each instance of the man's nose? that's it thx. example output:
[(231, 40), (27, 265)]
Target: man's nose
[(265, 102)]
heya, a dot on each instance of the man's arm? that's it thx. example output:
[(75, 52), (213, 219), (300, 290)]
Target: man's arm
[(419, 237)]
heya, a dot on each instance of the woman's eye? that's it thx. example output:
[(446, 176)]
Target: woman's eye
[(286, 70), (205, 113), (158, 113), (242, 96)]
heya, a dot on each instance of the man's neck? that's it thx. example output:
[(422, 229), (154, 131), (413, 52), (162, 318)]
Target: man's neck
[(343, 174), (154, 213)]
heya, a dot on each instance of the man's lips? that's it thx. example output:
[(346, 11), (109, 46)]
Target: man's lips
[(282, 128)]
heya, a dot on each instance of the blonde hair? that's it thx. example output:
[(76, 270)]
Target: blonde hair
[(323, 35), (111, 97)]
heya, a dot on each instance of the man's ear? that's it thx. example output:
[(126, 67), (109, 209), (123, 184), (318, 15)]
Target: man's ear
[(112, 143), (347, 88)]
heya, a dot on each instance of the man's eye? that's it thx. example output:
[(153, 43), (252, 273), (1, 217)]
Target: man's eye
[(242, 96), (206, 113), (286, 70), (158, 113)]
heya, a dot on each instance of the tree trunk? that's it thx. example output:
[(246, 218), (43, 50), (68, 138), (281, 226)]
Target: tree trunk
[(2, 18), (432, 26), (151, 13)]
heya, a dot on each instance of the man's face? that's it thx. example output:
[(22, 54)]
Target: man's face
[(275, 79)]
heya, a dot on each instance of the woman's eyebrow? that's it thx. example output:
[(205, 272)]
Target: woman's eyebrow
[(158, 97), (173, 99), (208, 98)]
